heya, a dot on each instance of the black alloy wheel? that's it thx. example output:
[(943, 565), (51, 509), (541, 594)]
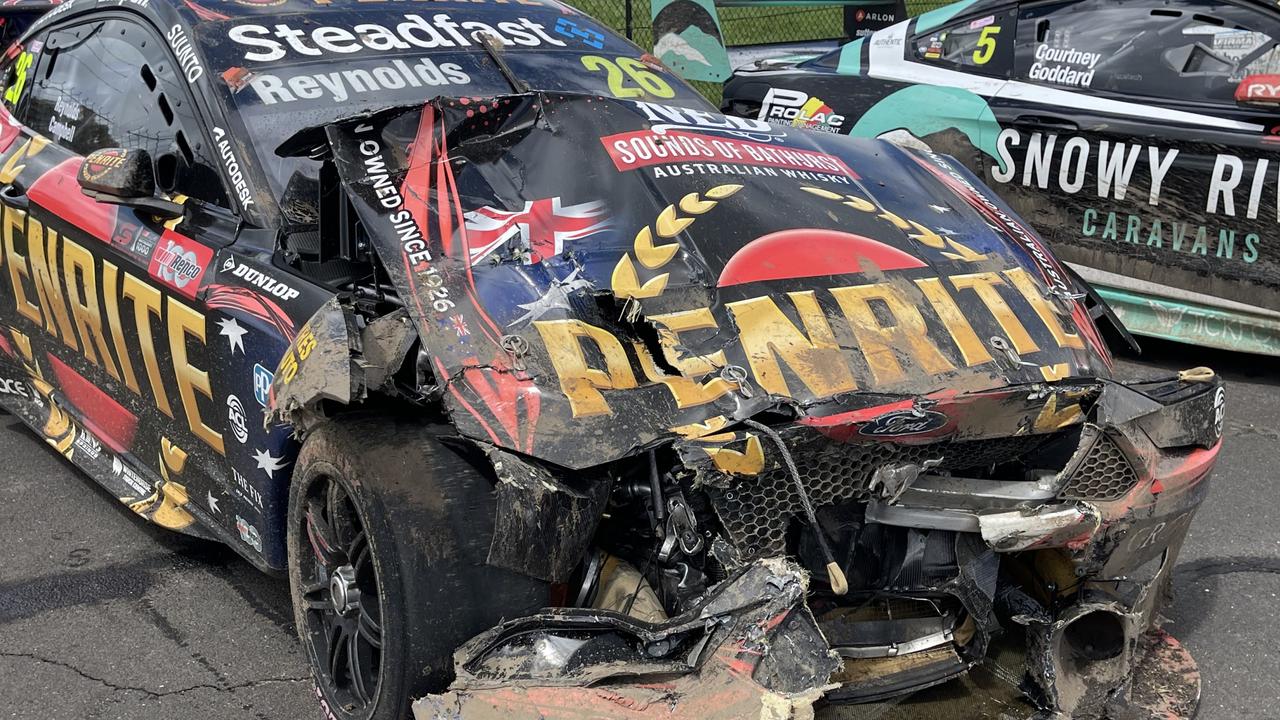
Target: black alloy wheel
[(343, 612), (389, 531)]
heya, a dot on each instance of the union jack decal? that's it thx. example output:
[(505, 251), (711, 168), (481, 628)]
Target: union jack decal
[(542, 226)]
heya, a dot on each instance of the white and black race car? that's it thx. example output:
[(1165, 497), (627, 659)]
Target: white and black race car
[(1139, 137)]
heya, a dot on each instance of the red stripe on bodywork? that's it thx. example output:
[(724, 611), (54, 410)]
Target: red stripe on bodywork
[(843, 427), (1193, 467), (853, 417), (231, 297), (503, 393), (414, 189), (59, 192), (453, 388), (10, 129), (105, 418)]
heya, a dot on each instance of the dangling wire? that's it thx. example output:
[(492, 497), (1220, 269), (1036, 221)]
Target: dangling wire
[(835, 576)]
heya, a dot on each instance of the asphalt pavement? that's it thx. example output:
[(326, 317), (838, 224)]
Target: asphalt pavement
[(103, 616)]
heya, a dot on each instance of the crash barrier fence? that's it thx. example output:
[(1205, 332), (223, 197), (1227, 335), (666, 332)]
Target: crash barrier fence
[(747, 22)]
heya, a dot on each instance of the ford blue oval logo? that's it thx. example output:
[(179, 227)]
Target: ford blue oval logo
[(904, 422)]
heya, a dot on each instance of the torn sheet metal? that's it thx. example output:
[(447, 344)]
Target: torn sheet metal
[(543, 524), (385, 343), (321, 364), (1047, 525), (749, 650)]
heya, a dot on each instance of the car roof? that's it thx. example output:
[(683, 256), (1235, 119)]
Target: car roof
[(233, 9)]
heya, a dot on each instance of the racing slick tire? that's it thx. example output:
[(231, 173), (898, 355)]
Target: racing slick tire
[(380, 509)]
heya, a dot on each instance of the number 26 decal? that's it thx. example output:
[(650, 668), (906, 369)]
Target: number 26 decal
[(20, 68), (986, 45), (628, 77)]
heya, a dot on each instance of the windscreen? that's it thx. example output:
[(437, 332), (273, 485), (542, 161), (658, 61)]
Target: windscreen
[(285, 73)]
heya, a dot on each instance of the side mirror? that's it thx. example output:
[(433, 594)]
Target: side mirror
[(124, 177), (1259, 91)]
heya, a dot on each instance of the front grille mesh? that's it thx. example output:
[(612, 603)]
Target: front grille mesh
[(756, 511), (1104, 474)]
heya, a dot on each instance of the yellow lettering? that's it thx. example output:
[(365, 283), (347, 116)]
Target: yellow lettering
[(83, 297), (813, 356), (44, 264), (984, 284), (146, 303), (183, 323), (24, 345), (1027, 286), (971, 348), (580, 382), (110, 288), (687, 391), (698, 430), (881, 344), (28, 149), (14, 223), (1055, 415), (172, 458), (750, 461), (1055, 372)]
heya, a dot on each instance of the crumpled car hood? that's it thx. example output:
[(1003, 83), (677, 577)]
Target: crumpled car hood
[(591, 275)]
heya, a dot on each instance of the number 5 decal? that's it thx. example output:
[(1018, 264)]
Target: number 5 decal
[(986, 45), (623, 69)]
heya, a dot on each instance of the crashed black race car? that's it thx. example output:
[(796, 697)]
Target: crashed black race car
[(608, 405), (1138, 138)]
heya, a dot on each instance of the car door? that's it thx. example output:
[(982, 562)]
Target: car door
[(920, 83), (1122, 143), (105, 303), (956, 66)]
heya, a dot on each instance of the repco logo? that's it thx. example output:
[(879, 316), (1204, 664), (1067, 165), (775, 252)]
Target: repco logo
[(180, 265), (259, 279)]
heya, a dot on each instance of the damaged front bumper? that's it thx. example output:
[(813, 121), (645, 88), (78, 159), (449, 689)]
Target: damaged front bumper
[(1077, 562), (751, 649)]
